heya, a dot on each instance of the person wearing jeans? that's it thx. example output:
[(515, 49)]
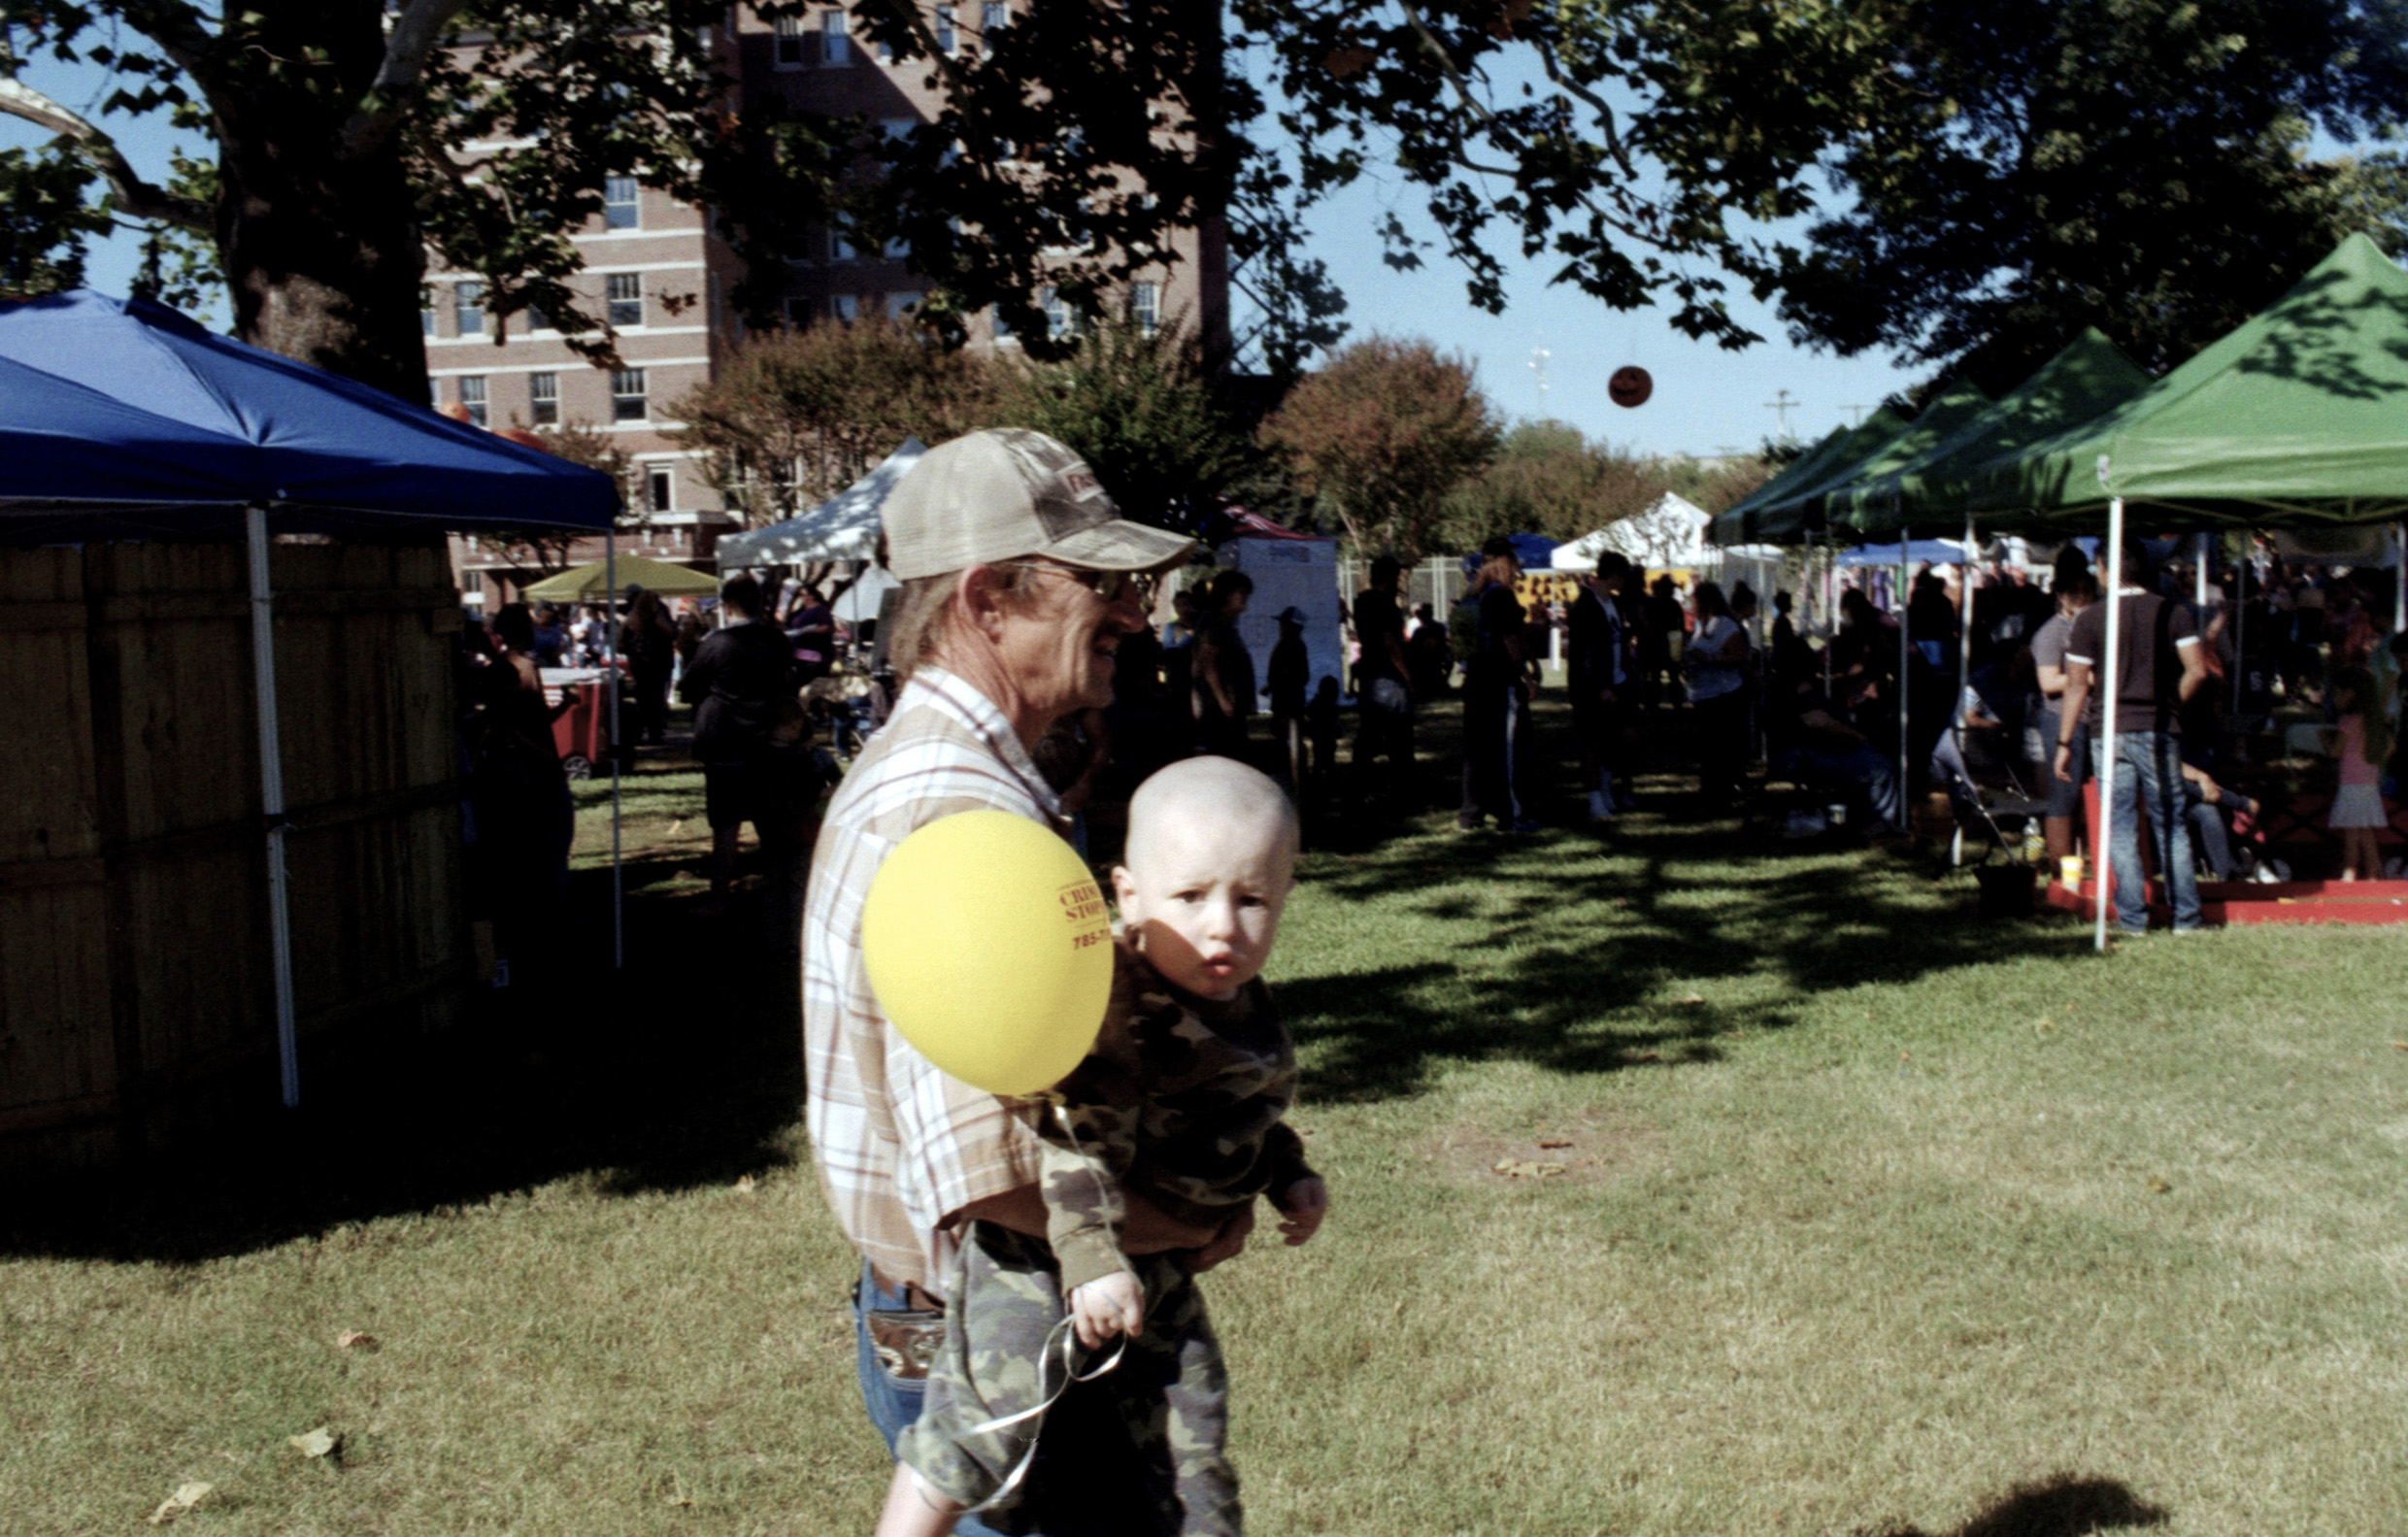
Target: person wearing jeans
[(2160, 665), (2148, 774)]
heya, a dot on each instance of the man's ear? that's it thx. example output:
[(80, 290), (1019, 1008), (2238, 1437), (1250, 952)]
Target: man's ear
[(981, 601)]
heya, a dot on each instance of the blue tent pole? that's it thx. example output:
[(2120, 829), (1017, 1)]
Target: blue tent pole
[(272, 797), (610, 680)]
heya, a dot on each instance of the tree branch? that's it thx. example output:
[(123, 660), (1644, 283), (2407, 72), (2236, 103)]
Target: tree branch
[(398, 79), (175, 27), (134, 198)]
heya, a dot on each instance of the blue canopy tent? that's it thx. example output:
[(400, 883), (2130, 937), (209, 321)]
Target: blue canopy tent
[(1933, 552), (125, 419)]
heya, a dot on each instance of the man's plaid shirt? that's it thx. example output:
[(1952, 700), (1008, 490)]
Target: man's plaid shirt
[(900, 1144)]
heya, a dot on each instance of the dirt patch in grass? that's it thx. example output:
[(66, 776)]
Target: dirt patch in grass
[(1587, 1146)]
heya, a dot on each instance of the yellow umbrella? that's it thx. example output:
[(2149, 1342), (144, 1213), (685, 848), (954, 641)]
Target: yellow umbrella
[(588, 582)]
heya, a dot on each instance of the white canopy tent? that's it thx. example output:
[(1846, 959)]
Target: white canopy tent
[(843, 527), (1670, 535)]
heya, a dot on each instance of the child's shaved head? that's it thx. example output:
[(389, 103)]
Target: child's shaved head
[(1211, 858), (1211, 794)]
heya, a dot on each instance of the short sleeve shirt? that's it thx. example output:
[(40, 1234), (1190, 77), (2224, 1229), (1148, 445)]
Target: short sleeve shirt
[(900, 1144), (2150, 634)]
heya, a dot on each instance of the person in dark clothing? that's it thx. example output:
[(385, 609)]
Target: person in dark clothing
[(1289, 674), (1600, 660), (738, 675), (1496, 699), (1662, 629), (1383, 681), (526, 817), (1808, 743), (1792, 658), (2158, 666), (1430, 658), (1223, 688), (649, 642)]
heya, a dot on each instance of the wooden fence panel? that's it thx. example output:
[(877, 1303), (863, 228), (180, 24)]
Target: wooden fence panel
[(136, 997)]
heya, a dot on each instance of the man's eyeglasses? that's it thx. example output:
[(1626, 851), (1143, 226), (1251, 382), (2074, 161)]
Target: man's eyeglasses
[(1110, 586)]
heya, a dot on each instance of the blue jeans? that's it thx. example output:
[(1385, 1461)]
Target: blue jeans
[(2148, 771), (1868, 778), (1098, 1492)]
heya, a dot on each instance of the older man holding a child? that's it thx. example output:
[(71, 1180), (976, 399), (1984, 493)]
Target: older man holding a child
[(1019, 580)]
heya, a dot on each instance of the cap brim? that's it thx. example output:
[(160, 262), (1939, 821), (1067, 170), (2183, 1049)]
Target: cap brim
[(1119, 546)]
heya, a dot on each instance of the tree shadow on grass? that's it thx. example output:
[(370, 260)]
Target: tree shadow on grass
[(1593, 951), (2061, 1505)]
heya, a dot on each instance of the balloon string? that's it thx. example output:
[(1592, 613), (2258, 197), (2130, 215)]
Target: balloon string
[(1060, 1337)]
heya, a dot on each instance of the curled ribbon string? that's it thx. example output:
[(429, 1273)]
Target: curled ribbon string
[(1059, 1337)]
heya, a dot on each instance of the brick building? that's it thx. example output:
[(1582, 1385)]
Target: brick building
[(662, 277)]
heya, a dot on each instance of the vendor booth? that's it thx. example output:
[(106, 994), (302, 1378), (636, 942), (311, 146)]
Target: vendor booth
[(1288, 570), (230, 819)]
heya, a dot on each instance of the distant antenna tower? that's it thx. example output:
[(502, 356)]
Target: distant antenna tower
[(1780, 406), (1857, 415), (1538, 366)]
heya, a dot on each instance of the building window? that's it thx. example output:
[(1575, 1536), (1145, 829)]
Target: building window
[(995, 16), (544, 399), (842, 249), (1003, 328), (898, 249), (846, 306), (468, 308), (835, 40), (427, 321), (472, 396), (1061, 322), (1146, 306), (628, 395), (899, 305), (659, 489), (621, 202), (800, 313), (945, 30), (792, 44), (624, 292)]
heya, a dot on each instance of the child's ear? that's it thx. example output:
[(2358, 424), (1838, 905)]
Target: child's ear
[(1124, 886)]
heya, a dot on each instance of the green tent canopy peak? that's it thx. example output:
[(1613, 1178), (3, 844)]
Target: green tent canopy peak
[(2299, 416), (1937, 484), (1751, 520), (1814, 505)]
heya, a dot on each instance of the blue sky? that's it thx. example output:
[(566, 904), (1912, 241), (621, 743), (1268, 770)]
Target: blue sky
[(1706, 400)]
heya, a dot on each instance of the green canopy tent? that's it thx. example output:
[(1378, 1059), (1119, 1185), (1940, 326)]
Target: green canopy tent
[(1753, 520), (1809, 508), (1936, 483), (2299, 416), (1729, 527)]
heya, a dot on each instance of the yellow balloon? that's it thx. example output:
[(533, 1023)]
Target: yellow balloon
[(988, 944)]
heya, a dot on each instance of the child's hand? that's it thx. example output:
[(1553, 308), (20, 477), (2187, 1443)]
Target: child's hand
[(1108, 1305), (1301, 1208)]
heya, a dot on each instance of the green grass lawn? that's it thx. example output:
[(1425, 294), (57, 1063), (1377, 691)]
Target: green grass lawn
[(1681, 1188)]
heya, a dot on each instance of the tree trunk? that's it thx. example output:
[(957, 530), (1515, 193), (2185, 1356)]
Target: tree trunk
[(322, 253)]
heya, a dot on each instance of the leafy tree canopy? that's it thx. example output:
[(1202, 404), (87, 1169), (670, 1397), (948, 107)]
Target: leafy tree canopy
[(1146, 412), (1381, 435), (2138, 165), (1618, 139), (1547, 478), (792, 418)]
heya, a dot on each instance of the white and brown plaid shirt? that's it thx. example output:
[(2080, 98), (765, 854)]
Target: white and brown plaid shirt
[(900, 1144)]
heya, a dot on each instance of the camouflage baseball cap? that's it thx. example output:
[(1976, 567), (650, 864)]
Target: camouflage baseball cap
[(1005, 494)]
